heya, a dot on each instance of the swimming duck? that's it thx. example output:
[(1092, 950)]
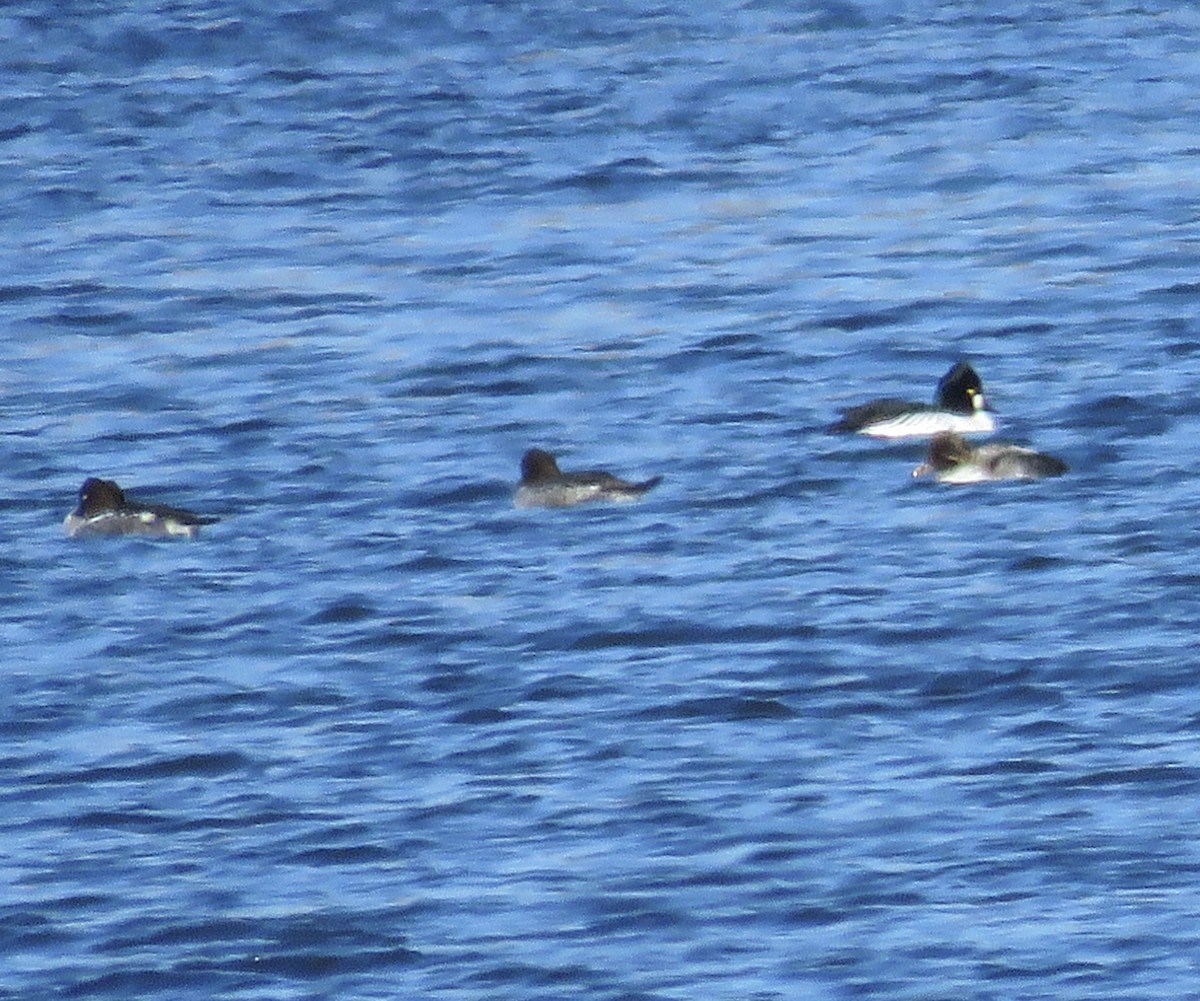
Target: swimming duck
[(543, 484), (952, 459), (959, 406), (105, 510)]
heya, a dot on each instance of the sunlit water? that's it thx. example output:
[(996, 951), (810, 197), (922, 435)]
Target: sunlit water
[(796, 726)]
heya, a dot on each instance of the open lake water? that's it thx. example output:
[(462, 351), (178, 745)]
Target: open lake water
[(796, 726)]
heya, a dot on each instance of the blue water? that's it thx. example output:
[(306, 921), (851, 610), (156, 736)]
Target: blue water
[(796, 726)]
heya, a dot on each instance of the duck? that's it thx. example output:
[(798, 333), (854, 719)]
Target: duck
[(958, 406), (105, 510), (952, 459), (543, 484)]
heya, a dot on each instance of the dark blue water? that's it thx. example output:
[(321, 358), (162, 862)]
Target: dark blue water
[(795, 727)]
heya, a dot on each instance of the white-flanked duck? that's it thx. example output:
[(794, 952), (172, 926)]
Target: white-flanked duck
[(958, 406)]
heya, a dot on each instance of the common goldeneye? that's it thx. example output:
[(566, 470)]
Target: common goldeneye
[(105, 510), (543, 484), (959, 406), (953, 460)]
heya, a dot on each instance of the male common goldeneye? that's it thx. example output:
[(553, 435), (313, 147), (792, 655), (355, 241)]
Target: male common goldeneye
[(953, 460), (959, 406), (105, 510), (543, 484)]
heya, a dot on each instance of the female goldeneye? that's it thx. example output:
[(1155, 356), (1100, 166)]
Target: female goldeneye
[(105, 510), (543, 484), (959, 406), (953, 460)]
